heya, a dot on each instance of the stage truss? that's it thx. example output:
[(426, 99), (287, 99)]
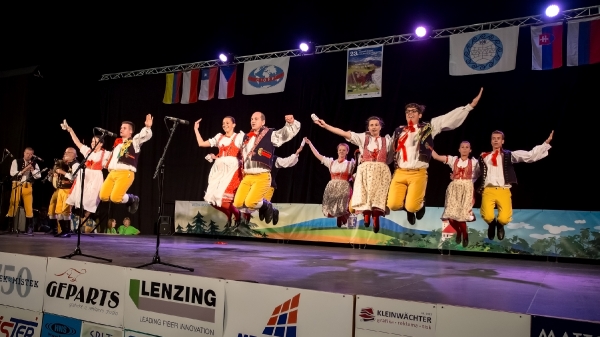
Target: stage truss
[(567, 15)]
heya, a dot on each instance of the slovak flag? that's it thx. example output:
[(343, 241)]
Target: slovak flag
[(227, 81), (208, 81), (546, 46), (189, 90), (583, 42)]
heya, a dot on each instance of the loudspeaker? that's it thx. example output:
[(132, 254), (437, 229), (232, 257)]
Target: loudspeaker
[(21, 217), (164, 225)]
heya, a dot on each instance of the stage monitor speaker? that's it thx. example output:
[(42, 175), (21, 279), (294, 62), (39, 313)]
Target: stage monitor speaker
[(164, 225), (21, 217)]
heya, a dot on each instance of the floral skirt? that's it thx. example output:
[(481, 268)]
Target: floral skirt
[(371, 186), (336, 198), (459, 201)]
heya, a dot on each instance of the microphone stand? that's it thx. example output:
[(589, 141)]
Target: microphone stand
[(77, 251), (161, 167)]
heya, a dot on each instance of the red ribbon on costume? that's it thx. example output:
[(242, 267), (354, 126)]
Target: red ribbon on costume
[(402, 140), (118, 141), (494, 158)]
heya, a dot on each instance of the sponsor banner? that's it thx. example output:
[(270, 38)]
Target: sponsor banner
[(174, 304), (60, 326), (254, 310), (547, 326), (364, 72), (22, 281), (384, 317), (88, 291), (265, 76), (20, 322), (131, 333), (95, 330), (469, 322)]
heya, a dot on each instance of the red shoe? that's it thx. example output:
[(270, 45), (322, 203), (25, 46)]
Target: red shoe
[(376, 224), (465, 231), (339, 221), (367, 215)]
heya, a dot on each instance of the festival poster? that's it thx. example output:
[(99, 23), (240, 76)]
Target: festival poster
[(364, 72)]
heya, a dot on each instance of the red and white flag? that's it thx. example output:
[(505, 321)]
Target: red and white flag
[(207, 83), (189, 91)]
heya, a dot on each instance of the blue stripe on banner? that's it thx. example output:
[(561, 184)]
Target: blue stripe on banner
[(584, 42), (547, 62)]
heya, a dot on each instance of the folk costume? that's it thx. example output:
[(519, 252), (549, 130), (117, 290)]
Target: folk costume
[(22, 188), (64, 186), (93, 180), (338, 191)]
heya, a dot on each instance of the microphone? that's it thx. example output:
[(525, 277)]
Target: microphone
[(8, 152), (37, 158), (110, 134), (181, 121)]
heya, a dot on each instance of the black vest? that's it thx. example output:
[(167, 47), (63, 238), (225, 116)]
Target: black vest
[(510, 176), (424, 138), (264, 150), (130, 156), (66, 183), (20, 166)]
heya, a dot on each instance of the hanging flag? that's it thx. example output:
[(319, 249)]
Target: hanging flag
[(265, 76), (227, 82), (483, 52), (207, 83), (363, 72), (546, 46), (172, 88), (583, 42), (189, 90)]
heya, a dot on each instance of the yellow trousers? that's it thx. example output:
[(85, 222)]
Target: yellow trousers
[(116, 185), (252, 190), (407, 190), (269, 194), (496, 197), (52, 206), (26, 192), (62, 210)]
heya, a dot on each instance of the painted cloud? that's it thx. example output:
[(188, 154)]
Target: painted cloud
[(519, 225), (557, 229)]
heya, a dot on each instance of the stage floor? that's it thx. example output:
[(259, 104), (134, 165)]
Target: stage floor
[(536, 288)]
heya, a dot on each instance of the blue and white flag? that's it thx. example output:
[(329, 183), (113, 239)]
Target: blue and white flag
[(484, 52), (265, 76)]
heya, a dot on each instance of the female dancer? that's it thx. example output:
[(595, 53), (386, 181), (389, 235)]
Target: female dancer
[(225, 174), (338, 191), (93, 174), (373, 176), (460, 193)]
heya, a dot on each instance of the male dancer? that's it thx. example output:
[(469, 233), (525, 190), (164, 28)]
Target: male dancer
[(498, 173), (409, 182), (258, 154), (21, 171), (123, 165), (65, 182)]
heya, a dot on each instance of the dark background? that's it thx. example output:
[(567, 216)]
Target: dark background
[(73, 48)]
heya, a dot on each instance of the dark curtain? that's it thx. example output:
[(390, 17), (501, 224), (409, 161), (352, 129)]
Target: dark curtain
[(526, 105)]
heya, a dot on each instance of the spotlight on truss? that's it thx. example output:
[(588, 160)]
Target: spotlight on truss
[(307, 48), (552, 11), (421, 31)]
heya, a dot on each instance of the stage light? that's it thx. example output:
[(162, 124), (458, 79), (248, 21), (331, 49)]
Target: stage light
[(307, 48), (226, 58), (552, 11), (223, 58), (421, 31)]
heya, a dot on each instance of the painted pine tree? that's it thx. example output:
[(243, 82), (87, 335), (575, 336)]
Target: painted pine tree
[(189, 228), (213, 228), (199, 224), (179, 228)]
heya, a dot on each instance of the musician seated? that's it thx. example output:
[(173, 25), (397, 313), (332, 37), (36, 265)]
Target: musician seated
[(127, 229)]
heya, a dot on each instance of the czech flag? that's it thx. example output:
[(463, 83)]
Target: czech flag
[(172, 89), (189, 92), (227, 81), (583, 42), (207, 83), (546, 46)]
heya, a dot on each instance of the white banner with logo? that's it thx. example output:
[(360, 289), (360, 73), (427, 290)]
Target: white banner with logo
[(265, 76), (20, 322), (376, 317), (96, 330), (173, 304), (258, 310), (88, 291), (22, 281), (364, 71), (469, 322)]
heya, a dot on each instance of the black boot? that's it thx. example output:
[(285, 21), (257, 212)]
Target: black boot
[(492, 230), (29, 226), (265, 212), (275, 216), (64, 226), (133, 203), (500, 230), (420, 213), (411, 217)]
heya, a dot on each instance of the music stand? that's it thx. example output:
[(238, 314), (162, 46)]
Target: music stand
[(77, 251), (161, 167)]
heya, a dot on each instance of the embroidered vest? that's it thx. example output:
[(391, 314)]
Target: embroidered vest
[(510, 176), (423, 137), (346, 175), (378, 155), (65, 183), (228, 150), (95, 165), (465, 173), (128, 155), (263, 150), (20, 166)]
